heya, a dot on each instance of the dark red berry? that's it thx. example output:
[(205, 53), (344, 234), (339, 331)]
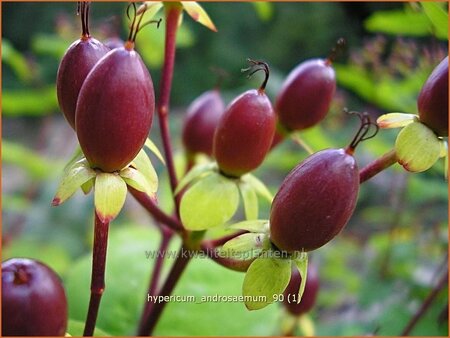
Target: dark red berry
[(33, 300), (309, 295), (75, 65), (433, 100), (245, 131), (202, 118), (317, 198), (306, 95), (115, 110)]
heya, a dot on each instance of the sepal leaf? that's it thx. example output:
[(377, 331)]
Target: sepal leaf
[(75, 176), (144, 166), (417, 147), (154, 149), (210, 202), (265, 278), (246, 246), (396, 120), (135, 179), (197, 13), (250, 200), (255, 226), (301, 262), (109, 196), (195, 173), (259, 186)]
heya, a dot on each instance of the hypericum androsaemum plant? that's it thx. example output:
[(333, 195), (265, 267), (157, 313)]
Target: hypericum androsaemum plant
[(311, 207)]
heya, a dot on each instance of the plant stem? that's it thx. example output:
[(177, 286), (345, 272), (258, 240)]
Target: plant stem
[(98, 273), (297, 139), (443, 282), (377, 166), (165, 240), (172, 17), (150, 205), (155, 309), (213, 243)]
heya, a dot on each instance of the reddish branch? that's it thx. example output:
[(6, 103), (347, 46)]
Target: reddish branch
[(377, 166)]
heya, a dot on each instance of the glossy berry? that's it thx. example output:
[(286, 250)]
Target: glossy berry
[(202, 118), (317, 198), (306, 95), (245, 131), (309, 295), (33, 300), (433, 100), (115, 109), (75, 65)]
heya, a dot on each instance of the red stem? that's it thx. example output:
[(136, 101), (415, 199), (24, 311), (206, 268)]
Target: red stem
[(150, 205), (377, 166), (156, 309), (213, 243), (98, 273), (166, 237), (443, 282), (232, 264), (172, 17)]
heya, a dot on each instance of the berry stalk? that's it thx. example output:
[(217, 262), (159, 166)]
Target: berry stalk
[(156, 309), (172, 17), (152, 288), (98, 273), (377, 166)]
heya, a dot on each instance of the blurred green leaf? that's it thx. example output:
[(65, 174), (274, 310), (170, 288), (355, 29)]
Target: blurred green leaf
[(49, 44), (438, 17), (263, 9), (35, 165), (250, 200), (29, 102), (52, 254), (399, 22), (16, 61), (76, 328)]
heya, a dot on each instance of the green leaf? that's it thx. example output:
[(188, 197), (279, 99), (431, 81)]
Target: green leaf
[(29, 102), (396, 120), (74, 177), (263, 9), (87, 186), (200, 170), (398, 22), (256, 226), (302, 265), (197, 13), (109, 197), (49, 44), (16, 61), (417, 147), (35, 165), (438, 17), (76, 328), (137, 180), (265, 278), (259, 186), (210, 202), (250, 200), (145, 167), (246, 246), (154, 149)]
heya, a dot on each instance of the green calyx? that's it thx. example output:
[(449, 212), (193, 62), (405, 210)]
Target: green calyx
[(110, 189)]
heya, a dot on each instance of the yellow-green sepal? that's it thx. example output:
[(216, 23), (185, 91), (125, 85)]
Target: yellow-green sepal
[(109, 195)]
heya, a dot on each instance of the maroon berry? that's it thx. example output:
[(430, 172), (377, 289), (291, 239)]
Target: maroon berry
[(317, 198), (245, 131), (115, 108), (75, 65), (33, 300), (309, 295), (307, 92), (306, 95), (202, 118), (433, 100)]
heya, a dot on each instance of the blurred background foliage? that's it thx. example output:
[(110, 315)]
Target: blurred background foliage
[(374, 275)]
